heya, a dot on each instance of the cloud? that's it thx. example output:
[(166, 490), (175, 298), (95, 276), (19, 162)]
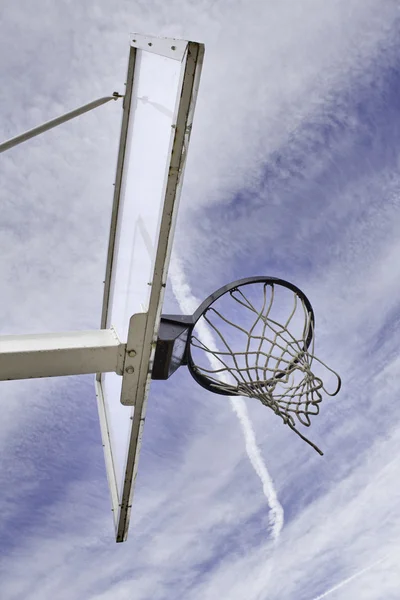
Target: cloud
[(292, 171), (350, 579), (187, 301)]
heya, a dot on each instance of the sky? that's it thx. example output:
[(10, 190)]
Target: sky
[(293, 173)]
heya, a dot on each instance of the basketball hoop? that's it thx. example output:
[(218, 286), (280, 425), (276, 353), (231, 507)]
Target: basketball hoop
[(255, 338)]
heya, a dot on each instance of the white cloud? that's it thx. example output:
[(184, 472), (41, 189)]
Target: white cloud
[(188, 302), (350, 579), (277, 78)]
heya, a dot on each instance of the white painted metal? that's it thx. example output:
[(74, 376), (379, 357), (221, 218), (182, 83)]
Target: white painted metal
[(134, 356), (179, 146), (169, 47), (117, 189), (107, 449), (150, 235), (60, 354), (77, 112)]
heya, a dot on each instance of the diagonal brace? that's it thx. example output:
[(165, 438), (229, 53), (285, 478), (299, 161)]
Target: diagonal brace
[(23, 137)]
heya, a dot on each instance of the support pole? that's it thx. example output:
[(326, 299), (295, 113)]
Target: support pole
[(60, 354), (19, 139)]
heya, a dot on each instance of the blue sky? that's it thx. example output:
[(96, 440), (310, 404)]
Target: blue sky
[(293, 172)]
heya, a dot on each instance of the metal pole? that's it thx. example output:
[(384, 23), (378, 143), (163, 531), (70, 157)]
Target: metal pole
[(19, 139), (59, 354)]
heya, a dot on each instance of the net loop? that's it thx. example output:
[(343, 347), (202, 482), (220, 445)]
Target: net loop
[(268, 356)]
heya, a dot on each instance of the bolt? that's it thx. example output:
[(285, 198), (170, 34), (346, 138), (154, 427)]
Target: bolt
[(131, 353), (129, 370)]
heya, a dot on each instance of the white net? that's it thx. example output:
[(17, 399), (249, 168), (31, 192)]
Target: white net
[(269, 356)]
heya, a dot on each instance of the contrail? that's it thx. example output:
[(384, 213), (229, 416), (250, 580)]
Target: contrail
[(188, 304), (349, 579)]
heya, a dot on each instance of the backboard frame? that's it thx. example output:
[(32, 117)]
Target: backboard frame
[(143, 328)]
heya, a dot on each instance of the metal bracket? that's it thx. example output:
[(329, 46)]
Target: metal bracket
[(171, 345), (169, 47), (133, 358)]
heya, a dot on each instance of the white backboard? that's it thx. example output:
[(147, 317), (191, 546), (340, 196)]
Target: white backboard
[(161, 89)]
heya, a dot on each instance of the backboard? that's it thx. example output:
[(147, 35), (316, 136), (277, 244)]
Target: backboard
[(161, 89)]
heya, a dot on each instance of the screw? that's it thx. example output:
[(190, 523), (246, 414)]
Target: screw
[(129, 370), (131, 353), (173, 47)]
